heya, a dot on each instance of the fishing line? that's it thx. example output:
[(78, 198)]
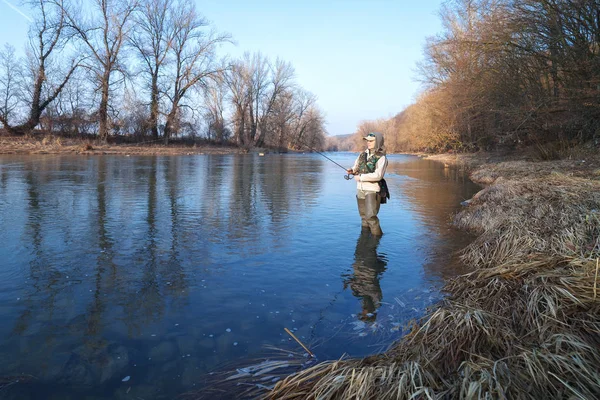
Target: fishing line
[(346, 177)]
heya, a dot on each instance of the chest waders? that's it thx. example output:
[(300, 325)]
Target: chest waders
[(368, 201)]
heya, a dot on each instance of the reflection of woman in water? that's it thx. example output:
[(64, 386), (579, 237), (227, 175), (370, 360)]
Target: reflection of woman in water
[(364, 281)]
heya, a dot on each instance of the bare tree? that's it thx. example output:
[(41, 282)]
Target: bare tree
[(73, 105), (269, 108), (104, 34), (279, 124), (258, 75), (281, 80), (47, 37), (9, 82), (193, 52), (237, 80), (214, 102), (256, 86), (314, 136), (68, 114), (153, 38), (252, 99), (305, 101)]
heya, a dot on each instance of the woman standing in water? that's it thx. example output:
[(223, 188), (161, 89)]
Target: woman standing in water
[(369, 168)]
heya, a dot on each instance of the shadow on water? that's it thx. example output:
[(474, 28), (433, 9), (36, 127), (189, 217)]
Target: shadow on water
[(135, 277)]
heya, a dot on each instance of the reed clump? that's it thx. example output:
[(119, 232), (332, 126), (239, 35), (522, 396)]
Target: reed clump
[(516, 220), (524, 324)]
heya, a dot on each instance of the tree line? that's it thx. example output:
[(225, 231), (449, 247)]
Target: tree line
[(505, 73), (149, 70)]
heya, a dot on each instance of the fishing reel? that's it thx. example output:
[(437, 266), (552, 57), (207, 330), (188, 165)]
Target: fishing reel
[(348, 176)]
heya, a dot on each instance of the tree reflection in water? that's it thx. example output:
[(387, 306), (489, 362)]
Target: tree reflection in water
[(368, 267)]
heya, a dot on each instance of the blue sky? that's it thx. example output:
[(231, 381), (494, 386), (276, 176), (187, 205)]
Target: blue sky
[(357, 56)]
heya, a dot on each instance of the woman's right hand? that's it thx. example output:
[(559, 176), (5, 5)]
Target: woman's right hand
[(349, 170)]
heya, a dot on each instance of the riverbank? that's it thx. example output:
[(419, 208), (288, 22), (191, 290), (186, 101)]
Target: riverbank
[(585, 164), (46, 144), (525, 323)]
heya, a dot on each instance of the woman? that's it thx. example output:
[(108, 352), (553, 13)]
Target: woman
[(369, 169)]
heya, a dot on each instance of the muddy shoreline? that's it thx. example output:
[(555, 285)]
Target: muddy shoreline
[(61, 145)]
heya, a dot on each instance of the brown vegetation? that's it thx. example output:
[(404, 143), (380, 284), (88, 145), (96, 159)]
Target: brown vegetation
[(505, 74), (340, 143)]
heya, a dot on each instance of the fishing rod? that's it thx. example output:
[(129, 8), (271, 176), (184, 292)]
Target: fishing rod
[(346, 177)]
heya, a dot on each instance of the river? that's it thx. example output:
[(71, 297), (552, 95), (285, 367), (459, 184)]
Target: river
[(125, 277)]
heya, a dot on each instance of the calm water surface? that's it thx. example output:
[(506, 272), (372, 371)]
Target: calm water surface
[(162, 269)]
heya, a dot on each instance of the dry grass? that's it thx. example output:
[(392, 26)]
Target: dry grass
[(556, 215), (524, 324), (579, 161)]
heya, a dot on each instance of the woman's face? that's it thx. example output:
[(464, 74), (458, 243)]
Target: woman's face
[(370, 144)]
